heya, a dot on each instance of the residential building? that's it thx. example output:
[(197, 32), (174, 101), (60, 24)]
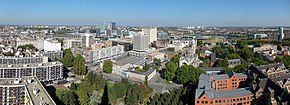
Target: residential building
[(24, 91), (49, 71), (270, 83), (222, 89)]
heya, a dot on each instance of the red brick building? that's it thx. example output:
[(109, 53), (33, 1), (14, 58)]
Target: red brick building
[(222, 90)]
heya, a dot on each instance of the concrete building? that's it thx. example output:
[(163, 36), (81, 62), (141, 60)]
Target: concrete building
[(51, 46), (109, 52), (49, 71), (88, 39), (140, 42), (222, 89), (151, 32), (24, 91), (73, 43)]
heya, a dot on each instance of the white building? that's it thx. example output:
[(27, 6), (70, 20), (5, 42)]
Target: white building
[(141, 42), (151, 32), (51, 46), (107, 53), (36, 43)]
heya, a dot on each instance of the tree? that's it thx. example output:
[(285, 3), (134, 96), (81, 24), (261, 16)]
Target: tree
[(157, 62), (278, 59), (221, 63), (175, 59), (220, 52), (146, 67), (242, 44), (108, 66), (73, 86), (246, 54), (188, 74), (66, 96), (96, 98), (79, 65), (169, 71), (233, 56), (68, 59), (197, 51), (134, 95), (26, 46), (286, 60), (199, 43)]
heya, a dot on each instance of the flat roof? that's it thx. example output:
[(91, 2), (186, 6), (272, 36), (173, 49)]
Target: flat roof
[(40, 97)]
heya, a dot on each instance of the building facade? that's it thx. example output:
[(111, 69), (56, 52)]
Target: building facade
[(141, 42), (151, 32), (49, 71), (222, 90)]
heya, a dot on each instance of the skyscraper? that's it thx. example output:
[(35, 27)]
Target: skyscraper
[(112, 26), (141, 42), (281, 34), (151, 32)]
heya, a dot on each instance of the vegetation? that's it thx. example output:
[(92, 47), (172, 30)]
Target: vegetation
[(175, 97), (79, 65), (108, 66), (68, 59), (27, 46), (220, 52), (66, 96), (188, 74), (169, 71)]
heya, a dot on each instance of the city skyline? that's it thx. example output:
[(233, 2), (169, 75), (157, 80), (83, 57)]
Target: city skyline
[(147, 13)]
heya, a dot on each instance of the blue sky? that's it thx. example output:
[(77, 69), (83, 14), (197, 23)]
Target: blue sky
[(147, 12)]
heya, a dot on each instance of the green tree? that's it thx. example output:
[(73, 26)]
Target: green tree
[(73, 86), (242, 44), (79, 65), (197, 51), (108, 66), (221, 63), (246, 54), (169, 71), (286, 60), (134, 95), (278, 59), (199, 43), (146, 67), (233, 56), (66, 96), (68, 59), (175, 59)]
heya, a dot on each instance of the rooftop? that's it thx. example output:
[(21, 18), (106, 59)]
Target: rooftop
[(36, 91)]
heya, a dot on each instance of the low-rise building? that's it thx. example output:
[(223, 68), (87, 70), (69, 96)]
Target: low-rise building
[(222, 89)]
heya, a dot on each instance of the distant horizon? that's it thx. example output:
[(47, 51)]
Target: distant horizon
[(160, 13)]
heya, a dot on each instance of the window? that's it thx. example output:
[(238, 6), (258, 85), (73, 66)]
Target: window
[(197, 102), (202, 102), (206, 102)]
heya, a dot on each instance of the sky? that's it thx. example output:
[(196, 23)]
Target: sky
[(147, 12)]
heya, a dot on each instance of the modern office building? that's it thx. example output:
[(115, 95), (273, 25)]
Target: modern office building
[(281, 33), (24, 91), (112, 26), (151, 32), (222, 90), (48, 71), (140, 42)]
